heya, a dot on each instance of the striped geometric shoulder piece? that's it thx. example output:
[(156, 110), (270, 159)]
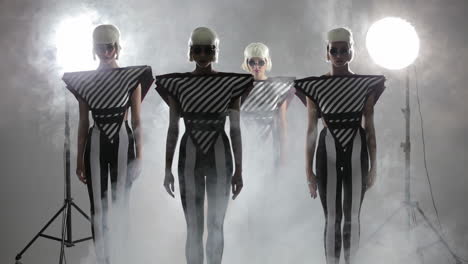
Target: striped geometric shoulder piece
[(341, 99), (107, 93), (268, 95), (220, 84), (321, 89), (166, 84)]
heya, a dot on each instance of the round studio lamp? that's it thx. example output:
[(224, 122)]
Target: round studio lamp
[(392, 43), (73, 40)]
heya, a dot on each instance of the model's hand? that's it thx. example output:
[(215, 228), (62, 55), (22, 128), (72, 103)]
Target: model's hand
[(80, 171), (237, 184), (135, 168), (169, 183), (312, 184), (371, 178)]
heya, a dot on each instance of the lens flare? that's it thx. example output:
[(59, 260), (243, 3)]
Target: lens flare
[(392, 43), (73, 41)]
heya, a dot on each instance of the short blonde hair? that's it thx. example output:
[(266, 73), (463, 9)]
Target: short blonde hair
[(254, 50), (106, 34), (203, 36)]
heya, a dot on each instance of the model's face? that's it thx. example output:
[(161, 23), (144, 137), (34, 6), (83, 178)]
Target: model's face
[(106, 52), (203, 55), (257, 66), (339, 53)]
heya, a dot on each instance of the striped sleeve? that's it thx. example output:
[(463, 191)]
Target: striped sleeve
[(377, 87), (76, 82), (306, 88), (145, 80), (243, 86), (287, 90), (301, 96), (167, 85), (295, 92)]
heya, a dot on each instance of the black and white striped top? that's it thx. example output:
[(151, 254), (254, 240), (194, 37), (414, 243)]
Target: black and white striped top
[(204, 101), (107, 93), (341, 100), (264, 101)]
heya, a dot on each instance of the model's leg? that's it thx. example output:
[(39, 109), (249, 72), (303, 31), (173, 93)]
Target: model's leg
[(123, 153), (97, 176), (127, 155), (217, 186), (121, 170), (330, 188), (354, 188), (192, 193)]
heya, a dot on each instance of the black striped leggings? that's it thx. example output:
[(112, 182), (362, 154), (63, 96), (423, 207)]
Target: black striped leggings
[(104, 159), (199, 172), (341, 182)]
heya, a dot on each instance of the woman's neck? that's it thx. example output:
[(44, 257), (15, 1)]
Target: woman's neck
[(341, 70), (260, 77), (111, 65), (205, 70)]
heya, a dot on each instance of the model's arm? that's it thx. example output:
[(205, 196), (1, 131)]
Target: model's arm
[(235, 133), (311, 138), (283, 133), (370, 138), (135, 105), (171, 142), (136, 121), (83, 126)]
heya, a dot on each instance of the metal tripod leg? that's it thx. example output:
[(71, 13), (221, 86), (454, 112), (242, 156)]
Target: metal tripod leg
[(441, 238), (64, 233), (414, 208), (384, 224), (66, 238), (18, 256)]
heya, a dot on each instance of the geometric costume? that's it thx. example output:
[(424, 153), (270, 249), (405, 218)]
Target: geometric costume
[(342, 159), (205, 160), (110, 144), (261, 140), (260, 111)]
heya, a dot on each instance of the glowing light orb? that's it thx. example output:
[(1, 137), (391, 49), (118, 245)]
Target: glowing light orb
[(74, 42), (392, 43)]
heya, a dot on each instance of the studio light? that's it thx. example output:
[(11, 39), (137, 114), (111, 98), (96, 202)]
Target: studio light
[(73, 41), (392, 43)]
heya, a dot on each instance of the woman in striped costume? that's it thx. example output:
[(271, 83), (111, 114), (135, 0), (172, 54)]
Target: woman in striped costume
[(264, 110), (110, 148), (264, 127), (345, 103), (204, 98)]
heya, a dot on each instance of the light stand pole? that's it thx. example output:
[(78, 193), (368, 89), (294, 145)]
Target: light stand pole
[(407, 150), (66, 238), (411, 206)]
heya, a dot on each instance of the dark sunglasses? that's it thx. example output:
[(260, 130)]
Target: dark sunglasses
[(253, 63), (102, 48), (207, 49), (335, 51)]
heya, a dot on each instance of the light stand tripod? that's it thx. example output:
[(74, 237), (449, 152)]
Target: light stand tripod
[(66, 238), (411, 206)]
